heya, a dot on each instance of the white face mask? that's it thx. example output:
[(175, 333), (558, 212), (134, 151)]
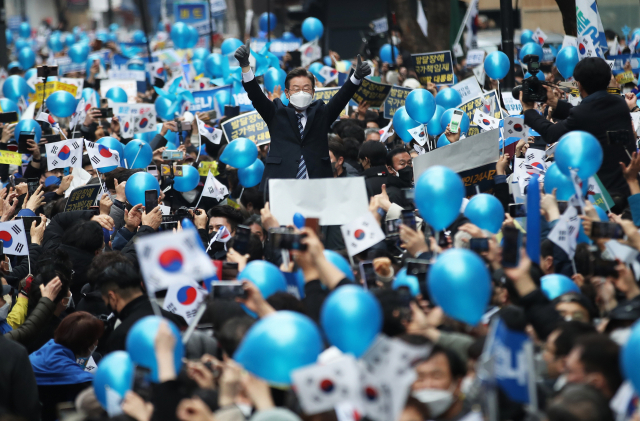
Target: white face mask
[(396, 41), (437, 400), (620, 336), (4, 311), (300, 100)]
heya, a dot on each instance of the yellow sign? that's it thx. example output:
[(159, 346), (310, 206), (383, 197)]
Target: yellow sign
[(11, 158), (165, 170), (206, 166), (50, 88), (626, 77)]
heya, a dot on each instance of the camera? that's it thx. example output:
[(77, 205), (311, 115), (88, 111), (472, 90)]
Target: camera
[(532, 88)]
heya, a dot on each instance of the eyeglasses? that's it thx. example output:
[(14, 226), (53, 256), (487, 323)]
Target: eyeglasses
[(296, 89)]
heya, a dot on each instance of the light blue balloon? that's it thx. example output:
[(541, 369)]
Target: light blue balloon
[(223, 97), (116, 94), (137, 184), (438, 194), (240, 153), (61, 104), (327, 61), (138, 154), (578, 150), (28, 126), (193, 37), (446, 119), (15, 87), (539, 75), (312, 29), (448, 98), (442, 141), (274, 77), (22, 43), (341, 263), (264, 22), (459, 282), (114, 27), (69, 40), (531, 48), (78, 53), (566, 61), (486, 212), (165, 108), (115, 371), (279, 344), (420, 105), (252, 175), (288, 36), (139, 37), (434, 128), (555, 285), (402, 280), (266, 276), (200, 54), (554, 179), (526, 37), (8, 106), (9, 35), (198, 66), (230, 45), (24, 30), (351, 318), (315, 68), (213, 65), (284, 99), (76, 30), (496, 65), (629, 357), (87, 94), (180, 35), (274, 61), (385, 53), (188, 180), (141, 339), (298, 220), (55, 43), (402, 123)]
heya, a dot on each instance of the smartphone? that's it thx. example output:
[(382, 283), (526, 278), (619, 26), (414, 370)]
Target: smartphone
[(285, 239), (212, 115), (28, 220), (456, 119), (95, 210), (142, 382), (46, 71), (10, 117), (604, 268), (22, 141), (296, 58), (51, 138), (607, 230), (172, 155), (241, 239), (393, 227), (169, 225), (153, 170), (479, 245), (620, 137), (409, 219), (183, 125), (368, 274), (443, 239), (150, 200), (106, 112), (419, 269), (409, 193), (562, 206), (518, 210), (313, 223), (32, 185), (227, 290), (511, 242)]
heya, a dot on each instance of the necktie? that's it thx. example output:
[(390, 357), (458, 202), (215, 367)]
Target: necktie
[(302, 168)]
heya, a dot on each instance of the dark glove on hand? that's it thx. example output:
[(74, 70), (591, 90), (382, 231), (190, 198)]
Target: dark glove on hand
[(242, 54), (362, 69)]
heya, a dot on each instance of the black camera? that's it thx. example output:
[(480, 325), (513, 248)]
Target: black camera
[(532, 88)]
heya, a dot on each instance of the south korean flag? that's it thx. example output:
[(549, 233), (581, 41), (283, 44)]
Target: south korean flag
[(101, 156), (14, 238), (64, 154)]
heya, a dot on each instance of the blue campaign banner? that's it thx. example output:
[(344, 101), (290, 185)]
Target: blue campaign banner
[(204, 100), (510, 362), (279, 46), (620, 60), (195, 14)]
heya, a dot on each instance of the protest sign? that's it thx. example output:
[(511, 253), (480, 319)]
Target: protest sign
[(475, 57), (50, 88), (65, 65), (10, 158), (620, 60), (137, 75), (77, 82), (513, 106), (325, 94), (249, 125), (204, 100), (82, 198), (279, 46), (473, 158), (434, 67), (468, 88), (396, 98), (373, 92), (487, 104), (129, 85), (380, 26), (206, 166), (196, 14), (625, 77), (336, 201)]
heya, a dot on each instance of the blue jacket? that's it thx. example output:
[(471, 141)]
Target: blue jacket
[(54, 364)]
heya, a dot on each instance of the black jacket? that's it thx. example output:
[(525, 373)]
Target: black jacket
[(598, 113), (18, 389), (395, 193), (374, 178), (286, 144)]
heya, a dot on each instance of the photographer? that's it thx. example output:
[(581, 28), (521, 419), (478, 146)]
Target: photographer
[(598, 114)]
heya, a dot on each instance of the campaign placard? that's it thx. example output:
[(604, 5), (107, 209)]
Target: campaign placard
[(249, 125), (50, 88), (434, 67), (487, 104), (325, 94), (373, 92), (396, 98), (82, 198)]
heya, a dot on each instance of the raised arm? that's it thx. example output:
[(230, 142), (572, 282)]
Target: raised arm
[(262, 104)]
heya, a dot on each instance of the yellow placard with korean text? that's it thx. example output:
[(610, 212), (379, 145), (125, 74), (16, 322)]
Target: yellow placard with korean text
[(206, 166), (50, 88), (10, 158)]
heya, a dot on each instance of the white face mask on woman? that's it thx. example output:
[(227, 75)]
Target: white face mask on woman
[(301, 100)]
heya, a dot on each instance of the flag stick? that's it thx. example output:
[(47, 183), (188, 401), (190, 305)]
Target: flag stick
[(192, 327)]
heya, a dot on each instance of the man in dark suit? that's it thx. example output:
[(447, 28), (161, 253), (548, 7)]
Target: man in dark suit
[(299, 145), (598, 113)]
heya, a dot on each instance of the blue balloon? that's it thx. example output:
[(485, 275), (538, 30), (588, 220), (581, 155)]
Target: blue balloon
[(438, 194), (24, 30), (15, 87), (7, 105), (566, 61), (284, 99), (315, 68), (629, 357), (22, 43), (434, 127), (115, 372), (240, 153), (531, 48), (180, 35), (486, 212), (55, 43), (138, 154), (402, 280), (213, 65), (28, 126), (198, 66), (69, 40), (141, 339), (117, 94), (266, 276), (252, 175), (298, 220), (188, 180), (9, 35), (193, 37), (139, 37), (555, 285), (77, 30), (137, 184), (200, 54), (420, 105), (448, 98), (385, 53), (288, 36), (274, 77), (446, 119), (554, 179), (230, 45), (341, 263), (497, 65), (265, 24), (78, 53), (402, 123), (351, 318), (580, 151), (327, 61), (61, 104), (114, 27), (442, 141), (112, 143), (223, 97), (279, 344), (312, 29), (459, 282), (526, 37), (88, 93), (166, 109), (539, 75)]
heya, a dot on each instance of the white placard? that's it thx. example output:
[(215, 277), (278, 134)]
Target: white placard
[(137, 75), (475, 58), (468, 88), (130, 86), (513, 106)]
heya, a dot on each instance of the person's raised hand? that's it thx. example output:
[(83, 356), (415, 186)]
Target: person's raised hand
[(136, 407), (552, 96), (254, 300), (413, 241), (22, 188), (383, 199), (105, 221), (52, 289), (200, 220), (242, 54), (8, 132), (314, 245), (502, 165), (65, 183), (92, 115), (105, 204), (472, 230), (549, 206), (451, 137), (37, 230), (121, 196), (36, 200), (630, 172), (267, 218), (631, 100), (33, 149), (258, 391), (133, 217), (168, 126), (235, 257), (362, 109), (362, 69), (152, 219), (199, 373)]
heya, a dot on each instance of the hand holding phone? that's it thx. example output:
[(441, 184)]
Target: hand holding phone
[(456, 119)]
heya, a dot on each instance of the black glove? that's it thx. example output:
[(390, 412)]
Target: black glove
[(362, 69), (242, 54)]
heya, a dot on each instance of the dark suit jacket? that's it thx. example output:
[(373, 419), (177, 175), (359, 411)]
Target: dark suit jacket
[(286, 144), (598, 113)]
